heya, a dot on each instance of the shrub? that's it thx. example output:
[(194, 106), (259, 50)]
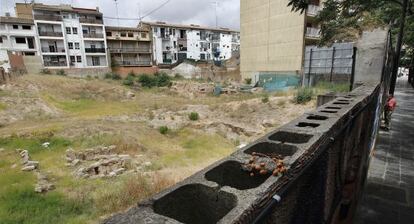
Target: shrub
[(193, 116), (159, 79), (147, 81), (108, 76), (45, 71), (265, 99), (163, 130), (303, 95), (248, 81), (61, 72), (129, 81), (162, 79)]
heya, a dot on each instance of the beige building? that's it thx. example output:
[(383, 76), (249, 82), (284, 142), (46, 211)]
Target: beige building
[(273, 38)]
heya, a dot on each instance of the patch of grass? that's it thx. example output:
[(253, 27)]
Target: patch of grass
[(61, 72), (265, 99), (281, 103), (303, 95), (3, 106), (196, 147), (86, 107), (128, 192), (20, 204), (34, 144)]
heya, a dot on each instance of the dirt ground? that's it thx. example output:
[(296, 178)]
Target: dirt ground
[(90, 113)]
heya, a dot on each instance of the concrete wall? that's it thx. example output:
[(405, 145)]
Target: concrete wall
[(272, 37), (33, 64), (326, 153)]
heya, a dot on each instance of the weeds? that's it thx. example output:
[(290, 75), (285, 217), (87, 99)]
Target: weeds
[(265, 99), (45, 71), (112, 76), (248, 81), (303, 95), (193, 116), (61, 72)]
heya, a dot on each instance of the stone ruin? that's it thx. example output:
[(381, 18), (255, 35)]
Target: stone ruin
[(98, 162), (43, 184)]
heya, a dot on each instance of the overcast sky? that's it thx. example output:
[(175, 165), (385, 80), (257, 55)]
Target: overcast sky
[(200, 12)]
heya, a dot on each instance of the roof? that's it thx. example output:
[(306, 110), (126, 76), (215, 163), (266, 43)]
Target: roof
[(65, 8), (121, 28), (15, 20), (191, 26)]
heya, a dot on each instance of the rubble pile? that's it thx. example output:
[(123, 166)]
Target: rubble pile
[(28, 165), (98, 162)]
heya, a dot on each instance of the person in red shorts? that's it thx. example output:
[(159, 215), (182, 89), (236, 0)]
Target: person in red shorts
[(389, 109)]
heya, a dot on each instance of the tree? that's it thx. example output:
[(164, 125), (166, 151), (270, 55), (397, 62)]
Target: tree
[(346, 19)]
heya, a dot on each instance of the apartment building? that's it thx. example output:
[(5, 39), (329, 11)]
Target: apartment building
[(274, 37), (173, 43), (129, 46), (68, 37), (17, 36)]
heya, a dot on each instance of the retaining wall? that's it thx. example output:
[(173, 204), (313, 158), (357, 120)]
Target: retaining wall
[(326, 153)]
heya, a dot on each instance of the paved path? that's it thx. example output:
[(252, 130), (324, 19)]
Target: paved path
[(389, 192)]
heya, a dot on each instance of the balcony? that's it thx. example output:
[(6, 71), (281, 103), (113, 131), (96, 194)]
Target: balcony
[(55, 63), (165, 37), (90, 20), (312, 32), (131, 50), (134, 63), (48, 17), (167, 61), (313, 10), (95, 50), (52, 50), (50, 34), (93, 35)]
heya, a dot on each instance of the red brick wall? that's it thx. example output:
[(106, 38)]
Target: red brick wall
[(123, 71)]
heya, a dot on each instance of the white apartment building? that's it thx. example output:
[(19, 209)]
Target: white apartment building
[(17, 36), (68, 37), (173, 43)]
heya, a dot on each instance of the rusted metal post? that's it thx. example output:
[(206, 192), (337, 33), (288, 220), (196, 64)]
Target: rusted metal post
[(332, 64)]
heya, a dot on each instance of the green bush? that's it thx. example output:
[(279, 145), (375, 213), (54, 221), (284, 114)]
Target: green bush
[(162, 79), (248, 81), (265, 99), (61, 72), (112, 76), (178, 76), (303, 95), (163, 130), (193, 116), (159, 79), (129, 81), (45, 71)]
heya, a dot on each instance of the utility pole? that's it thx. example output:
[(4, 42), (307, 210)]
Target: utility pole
[(396, 62), (117, 13), (216, 5)]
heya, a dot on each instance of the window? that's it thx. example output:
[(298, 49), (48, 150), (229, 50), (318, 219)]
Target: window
[(1, 40), (173, 31), (123, 34), (77, 46), (72, 59), (79, 59), (95, 61), (20, 40), (15, 27), (130, 35), (25, 27), (70, 45), (143, 35), (65, 16), (75, 30), (109, 34), (68, 30)]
